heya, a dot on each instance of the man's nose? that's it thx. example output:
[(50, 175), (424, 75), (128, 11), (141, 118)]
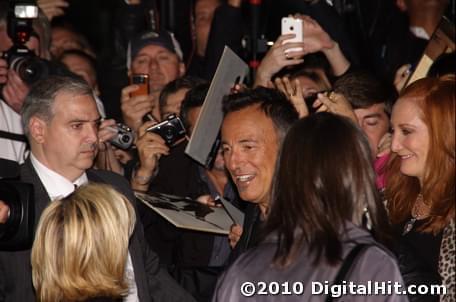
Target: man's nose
[(233, 160), (153, 64), (92, 133)]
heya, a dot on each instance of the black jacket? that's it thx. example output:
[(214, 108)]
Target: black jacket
[(186, 253)]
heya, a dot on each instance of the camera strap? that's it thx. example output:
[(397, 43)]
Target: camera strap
[(347, 265), (13, 136)]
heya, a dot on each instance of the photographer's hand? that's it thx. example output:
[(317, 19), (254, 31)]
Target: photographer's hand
[(234, 235), (15, 91), (317, 39), (106, 158), (4, 212), (208, 200), (52, 8), (276, 58), (293, 91), (151, 147), (135, 107), (335, 103), (401, 77), (107, 130), (3, 70)]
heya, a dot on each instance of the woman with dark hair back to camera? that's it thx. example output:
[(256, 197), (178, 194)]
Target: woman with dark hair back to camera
[(420, 188), (320, 230)]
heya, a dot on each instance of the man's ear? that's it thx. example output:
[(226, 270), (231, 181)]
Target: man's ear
[(37, 129), (181, 69), (401, 5)]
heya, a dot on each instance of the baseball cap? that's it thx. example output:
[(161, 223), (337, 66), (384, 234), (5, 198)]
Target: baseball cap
[(162, 38)]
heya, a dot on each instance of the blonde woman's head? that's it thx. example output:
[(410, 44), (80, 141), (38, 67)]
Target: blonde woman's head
[(81, 245)]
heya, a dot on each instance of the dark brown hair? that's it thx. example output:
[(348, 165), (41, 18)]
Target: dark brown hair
[(363, 90), (324, 179), (435, 97), (273, 103)]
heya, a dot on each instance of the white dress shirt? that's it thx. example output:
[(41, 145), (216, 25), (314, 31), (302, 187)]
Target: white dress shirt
[(55, 184), (419, 32), (10, 121)]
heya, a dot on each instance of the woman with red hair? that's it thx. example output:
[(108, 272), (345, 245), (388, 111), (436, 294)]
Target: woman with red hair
[(420, 185)]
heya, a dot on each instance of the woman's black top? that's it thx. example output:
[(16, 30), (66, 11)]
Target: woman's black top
[(418, 256)]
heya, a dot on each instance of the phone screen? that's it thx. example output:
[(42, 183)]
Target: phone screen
[(142, 80)]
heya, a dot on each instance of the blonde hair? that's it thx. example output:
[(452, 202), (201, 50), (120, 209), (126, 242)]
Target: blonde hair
[(81, 246)]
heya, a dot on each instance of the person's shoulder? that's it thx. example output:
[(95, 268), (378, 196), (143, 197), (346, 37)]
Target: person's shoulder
[(105, 176), (257, 257), (379, 263), (119, 182)]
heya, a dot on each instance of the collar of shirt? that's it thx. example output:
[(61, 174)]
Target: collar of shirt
[(419, 32), (55, 184)]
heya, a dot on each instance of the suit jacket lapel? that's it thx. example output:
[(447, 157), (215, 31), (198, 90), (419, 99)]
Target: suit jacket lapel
[(42, 199)]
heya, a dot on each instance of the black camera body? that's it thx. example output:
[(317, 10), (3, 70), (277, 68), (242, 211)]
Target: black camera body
[(124, 138), (18, 231), (29, 67), (171, 130)]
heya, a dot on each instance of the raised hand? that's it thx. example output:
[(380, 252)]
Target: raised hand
[(15, 90), (278, 57), (135, 107), (151, 147), (234, 235), (293, 91), (315, 37), (53, 8), (4, 210), (335, 103)]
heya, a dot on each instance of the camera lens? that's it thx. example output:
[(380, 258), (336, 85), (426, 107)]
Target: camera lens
[(125, 138), (30, 69), (169, 133)]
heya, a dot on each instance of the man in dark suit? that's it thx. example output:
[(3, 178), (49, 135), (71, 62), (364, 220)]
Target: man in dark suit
[(61, 121)]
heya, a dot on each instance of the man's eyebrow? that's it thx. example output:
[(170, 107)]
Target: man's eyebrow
[(98, 120), (248, 140), (140, 56), (372, 115), (242, 141)]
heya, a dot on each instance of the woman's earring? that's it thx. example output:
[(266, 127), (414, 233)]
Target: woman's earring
[(367, 219)]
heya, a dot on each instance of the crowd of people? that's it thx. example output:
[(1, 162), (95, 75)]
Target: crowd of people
[(344, 174)]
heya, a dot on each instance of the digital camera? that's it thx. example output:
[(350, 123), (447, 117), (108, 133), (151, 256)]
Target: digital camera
[(29, 67), (171, 130), (124, 138)]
